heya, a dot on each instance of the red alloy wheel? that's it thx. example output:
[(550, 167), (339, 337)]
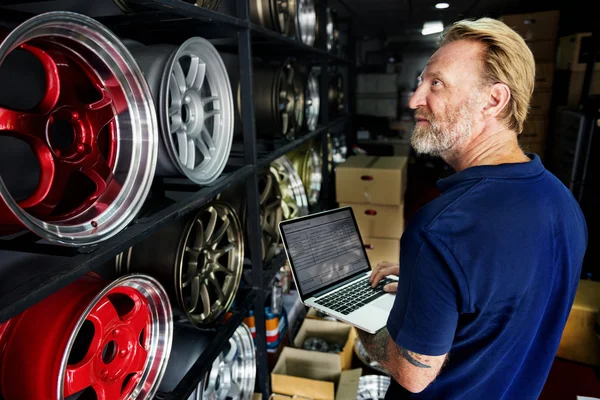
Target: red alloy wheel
[(93, 132), (108, 342)]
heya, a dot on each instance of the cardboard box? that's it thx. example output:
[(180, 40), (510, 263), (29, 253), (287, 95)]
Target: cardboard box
[(371, 180), (579, 341), (378, 221), (331, 331), (539, 106), (576, 85), (382, 250), (544, 76), (313, 375), (534, 26), (574, 51), (544, 51), (535, 130)]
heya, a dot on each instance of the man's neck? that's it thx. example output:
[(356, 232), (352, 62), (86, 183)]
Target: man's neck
[(490, 147)]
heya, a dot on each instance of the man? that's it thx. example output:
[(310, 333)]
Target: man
[(490, 268)]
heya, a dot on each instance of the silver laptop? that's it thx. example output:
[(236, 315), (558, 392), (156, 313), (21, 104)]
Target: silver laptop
[(331, 269)]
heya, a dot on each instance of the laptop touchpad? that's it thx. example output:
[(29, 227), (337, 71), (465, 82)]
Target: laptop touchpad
[(384, 302)]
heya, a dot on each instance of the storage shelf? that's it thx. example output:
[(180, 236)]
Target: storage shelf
[(271, 156), (222, 334), (27, 278)]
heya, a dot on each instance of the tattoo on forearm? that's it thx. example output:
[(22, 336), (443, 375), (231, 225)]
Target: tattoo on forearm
[(376, 345), (412, 358)]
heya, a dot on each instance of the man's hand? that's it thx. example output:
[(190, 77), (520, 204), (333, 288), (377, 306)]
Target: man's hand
[(383, 269)]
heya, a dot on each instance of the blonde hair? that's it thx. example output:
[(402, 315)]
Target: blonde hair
[(507, 59)]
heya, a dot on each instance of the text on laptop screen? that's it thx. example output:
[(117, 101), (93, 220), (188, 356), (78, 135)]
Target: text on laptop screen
[(324, 249)]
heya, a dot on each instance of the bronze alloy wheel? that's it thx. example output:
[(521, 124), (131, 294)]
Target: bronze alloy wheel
[(294, 202), (307, 160), (277, 15), (199, 261)]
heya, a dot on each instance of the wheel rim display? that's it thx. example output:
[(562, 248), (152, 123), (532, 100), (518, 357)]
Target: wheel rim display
[(200, 260), (277, 15), (119, 342), (338, 149), (93, 134), (233, 372), (372, 387), (271, 213), (290, 100), (195, 106), (306, 21), (294, 202), (336, 93), (210, 4), (330, 31), (308, 162), (312, 101)]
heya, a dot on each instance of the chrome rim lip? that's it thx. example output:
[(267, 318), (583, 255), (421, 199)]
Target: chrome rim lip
[(313, 176), (294, 202), (213, 144), (140, 126), (313, 101), (306, 21), (235, 265), (372, 387), (284, 15), (161, 337)]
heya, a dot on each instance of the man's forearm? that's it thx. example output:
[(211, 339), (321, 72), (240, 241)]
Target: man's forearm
[(376, 345)]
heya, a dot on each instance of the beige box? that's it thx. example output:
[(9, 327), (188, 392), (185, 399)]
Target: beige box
[(535, 130), (544, 51), (576, 85), (378, 221), (534, 26), (371, 180), (573, 50), (379, 250), (544, 76), (579, 341), (332, 331), (539, 106), (313, 375)]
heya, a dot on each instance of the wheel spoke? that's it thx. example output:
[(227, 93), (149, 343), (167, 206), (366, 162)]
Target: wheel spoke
[(183, 147), (205, 299), (203, 148), (57, 185), (104, 315), (139, 318), (179, 77), (210, 228), (195, 293), (191, 161), (192, 74), (176, 124), (208, 139), (100, 173), (52, 78), (22, 123), (109, 391), (139, 359), (192, 271), (78, 377), (212, 279), (207, 100), (284, 122), (100, 113), (175, 97), (226, 249), (221, 232), (220, 268), (211, 113)]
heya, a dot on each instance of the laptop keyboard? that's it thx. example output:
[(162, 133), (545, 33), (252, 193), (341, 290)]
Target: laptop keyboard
[(354, 296)]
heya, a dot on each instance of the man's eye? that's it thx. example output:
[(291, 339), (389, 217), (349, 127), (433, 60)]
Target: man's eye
[(436, 82)]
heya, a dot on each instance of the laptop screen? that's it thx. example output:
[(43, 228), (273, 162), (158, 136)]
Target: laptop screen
[(324, 249)]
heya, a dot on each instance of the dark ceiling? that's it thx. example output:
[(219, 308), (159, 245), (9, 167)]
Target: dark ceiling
[(386, 18)]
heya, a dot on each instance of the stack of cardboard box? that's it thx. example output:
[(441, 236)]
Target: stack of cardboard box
[(374, 187), (573, 54), (540, 31)]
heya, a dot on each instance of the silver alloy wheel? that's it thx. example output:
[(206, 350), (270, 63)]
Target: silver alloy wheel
[(194, 102), (124, 109), (306, 21), (330, 31), (290, 100), (199, 260), (372, 387), (312, 101), (294, 202), (233, 372)]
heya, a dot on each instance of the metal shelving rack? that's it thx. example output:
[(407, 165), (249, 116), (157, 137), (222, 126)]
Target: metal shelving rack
[(31, 270)]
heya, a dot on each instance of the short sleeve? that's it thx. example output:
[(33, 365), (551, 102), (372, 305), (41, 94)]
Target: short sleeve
[(426, 308)]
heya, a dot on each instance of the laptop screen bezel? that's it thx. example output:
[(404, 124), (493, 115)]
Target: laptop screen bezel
[(304, 296)]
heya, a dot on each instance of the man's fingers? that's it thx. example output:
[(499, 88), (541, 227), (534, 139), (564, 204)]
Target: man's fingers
[(382, 273), (391, 287)]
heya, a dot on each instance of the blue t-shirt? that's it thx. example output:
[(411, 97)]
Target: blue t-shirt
[(488, 273)]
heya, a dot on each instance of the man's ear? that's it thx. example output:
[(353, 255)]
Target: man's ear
[(497, 100)]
